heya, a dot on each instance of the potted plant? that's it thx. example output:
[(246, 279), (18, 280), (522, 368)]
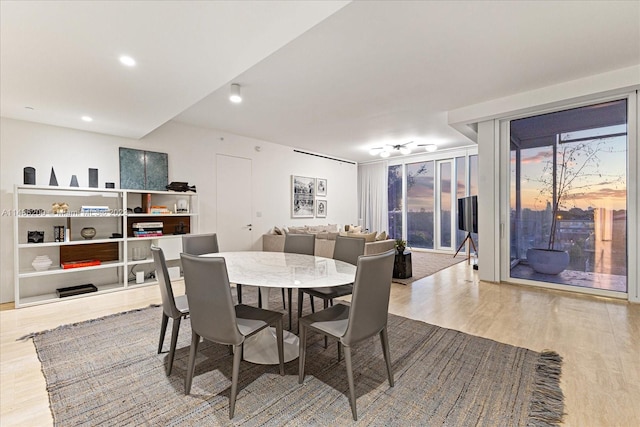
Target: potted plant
[(569, 162), (401, 245)]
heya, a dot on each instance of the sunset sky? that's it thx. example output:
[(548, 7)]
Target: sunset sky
[(605, 185)]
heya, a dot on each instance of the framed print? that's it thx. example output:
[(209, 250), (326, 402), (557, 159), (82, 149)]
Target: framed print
[(302, 196), (321, 187), (321, 208)]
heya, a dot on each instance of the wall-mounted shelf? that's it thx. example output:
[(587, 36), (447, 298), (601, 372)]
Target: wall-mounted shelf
[(117, 267)]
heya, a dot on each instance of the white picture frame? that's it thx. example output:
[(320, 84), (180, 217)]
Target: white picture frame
[(321, 208), (303, 193), (321, 187)]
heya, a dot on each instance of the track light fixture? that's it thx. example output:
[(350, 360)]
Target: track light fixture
[(235, 95)]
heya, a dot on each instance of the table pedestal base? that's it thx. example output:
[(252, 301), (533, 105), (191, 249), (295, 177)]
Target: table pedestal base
[(262, 348)]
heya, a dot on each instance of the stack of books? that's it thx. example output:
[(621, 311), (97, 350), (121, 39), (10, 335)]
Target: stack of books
[(147, 229), (159, 210), (94, 210)]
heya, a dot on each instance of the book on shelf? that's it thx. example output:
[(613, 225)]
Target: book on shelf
[(148, 225), (147, 234), (78, 264), (94, 209)]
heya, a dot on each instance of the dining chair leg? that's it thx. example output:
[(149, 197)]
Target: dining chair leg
[(280, 339), (175, 329), (300, 301), (384, 339), (239, 289), (302, 353), (259, 298), (290, 295), (191, 366), (339, 350), (313, 309), (163, 331), (284, 306), (237, 357), (352, 391), (325, 304)]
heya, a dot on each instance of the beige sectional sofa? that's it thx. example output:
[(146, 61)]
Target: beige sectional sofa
[(324, 246)]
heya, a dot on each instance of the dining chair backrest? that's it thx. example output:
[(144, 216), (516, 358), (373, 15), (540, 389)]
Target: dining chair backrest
[(198, 244), (300, 244), (348, 249), (370, 300), (211, 308), (164, 283)]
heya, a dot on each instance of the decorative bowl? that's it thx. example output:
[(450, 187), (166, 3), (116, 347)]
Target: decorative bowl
[(41, 263), (88, 233)]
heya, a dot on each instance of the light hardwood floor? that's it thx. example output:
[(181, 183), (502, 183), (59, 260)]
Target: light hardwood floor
[(599, 339)]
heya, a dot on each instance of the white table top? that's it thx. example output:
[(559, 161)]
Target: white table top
[(285, 270)]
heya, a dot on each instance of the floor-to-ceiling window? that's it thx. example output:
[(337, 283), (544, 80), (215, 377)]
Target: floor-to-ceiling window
[(420, 204), (568, 204), (432, 185)]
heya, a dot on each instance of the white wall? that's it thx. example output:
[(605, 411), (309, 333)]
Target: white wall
[(192, 152)]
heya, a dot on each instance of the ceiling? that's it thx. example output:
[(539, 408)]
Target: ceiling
[(335, 78)]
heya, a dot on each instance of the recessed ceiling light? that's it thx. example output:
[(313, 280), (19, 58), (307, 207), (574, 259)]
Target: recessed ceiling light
[(128, 61), (87, 119)]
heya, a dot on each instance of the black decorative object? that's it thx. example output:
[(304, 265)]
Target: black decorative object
[(35, 236), (93, 178), (109, 185), (52, 179), (180, 229), (74, 181), (180, 187), (76, 290), (116, 235), (29, 175), (137, 209)]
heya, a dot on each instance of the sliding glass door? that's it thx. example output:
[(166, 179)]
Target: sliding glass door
[(568, 197), (423, 193)]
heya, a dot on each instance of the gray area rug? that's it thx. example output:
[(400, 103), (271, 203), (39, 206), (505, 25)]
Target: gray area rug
[(426, 263), (106, 372)]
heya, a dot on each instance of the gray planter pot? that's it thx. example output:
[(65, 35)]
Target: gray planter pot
[(548, 261)]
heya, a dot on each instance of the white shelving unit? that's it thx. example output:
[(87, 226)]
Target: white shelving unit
[(117, 268)]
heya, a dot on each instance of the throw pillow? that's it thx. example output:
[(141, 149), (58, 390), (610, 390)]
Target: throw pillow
[(369, 237), (382, 236), (355, 229), (277, 231)]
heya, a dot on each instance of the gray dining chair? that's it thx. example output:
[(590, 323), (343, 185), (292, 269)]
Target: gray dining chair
[(298, 244), (347, 249), (215, 318), (366, 317), (173, 307), (198, 244)]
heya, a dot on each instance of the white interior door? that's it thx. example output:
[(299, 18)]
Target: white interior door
[(233, 177)]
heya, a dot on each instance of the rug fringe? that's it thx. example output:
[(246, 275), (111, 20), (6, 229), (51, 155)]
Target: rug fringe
[(32, 335), (547, 404)]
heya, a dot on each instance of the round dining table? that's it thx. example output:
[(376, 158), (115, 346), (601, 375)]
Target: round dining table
[(268, 270)]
